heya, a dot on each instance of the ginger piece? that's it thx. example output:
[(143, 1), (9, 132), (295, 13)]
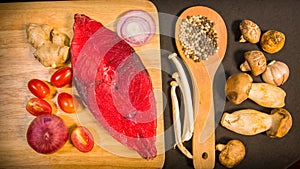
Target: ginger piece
[(38, 34), (51, 55), (52, 46), (59, 38)]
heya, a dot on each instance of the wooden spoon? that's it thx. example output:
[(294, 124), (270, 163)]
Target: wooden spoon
[(202, 74)]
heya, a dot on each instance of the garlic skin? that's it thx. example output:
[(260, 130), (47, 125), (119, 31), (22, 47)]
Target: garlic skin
[(276, 73)]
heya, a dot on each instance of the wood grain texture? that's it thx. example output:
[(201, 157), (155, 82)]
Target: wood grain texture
[(202, 74), (18, 66)]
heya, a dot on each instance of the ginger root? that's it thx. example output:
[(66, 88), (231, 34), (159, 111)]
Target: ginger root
[(52, 46)]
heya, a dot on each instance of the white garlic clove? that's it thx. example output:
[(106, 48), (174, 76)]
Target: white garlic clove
[(276, 73)]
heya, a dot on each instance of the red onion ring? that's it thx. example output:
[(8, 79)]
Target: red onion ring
[(136, 27)]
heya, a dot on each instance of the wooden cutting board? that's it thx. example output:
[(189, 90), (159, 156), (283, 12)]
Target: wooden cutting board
[(18, 66)]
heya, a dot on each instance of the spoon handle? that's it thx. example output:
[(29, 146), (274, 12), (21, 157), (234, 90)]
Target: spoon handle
[(204, 129), (204, 150)]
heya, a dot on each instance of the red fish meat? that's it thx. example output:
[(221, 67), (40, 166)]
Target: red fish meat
[(114, 84)]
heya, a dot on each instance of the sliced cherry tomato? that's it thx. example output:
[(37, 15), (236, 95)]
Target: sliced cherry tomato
[(67, 102), (82, 139), (62, 77), (37, 106), (41, 89)]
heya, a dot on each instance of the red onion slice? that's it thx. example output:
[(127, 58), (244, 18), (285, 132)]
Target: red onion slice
[(136, 27)]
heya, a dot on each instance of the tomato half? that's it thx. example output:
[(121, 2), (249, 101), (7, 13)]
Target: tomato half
[(62, 77), (41, 89), (67, 102), (37, 106), (82, 139)]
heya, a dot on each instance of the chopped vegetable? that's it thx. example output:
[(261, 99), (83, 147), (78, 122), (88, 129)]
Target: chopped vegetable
[(232, 153), (239, 87), (52, 46), (276, 73), (37, 106), (252, 122), (82, 139), (176, 121), (255, 61), (250, 31), (136, 27)]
